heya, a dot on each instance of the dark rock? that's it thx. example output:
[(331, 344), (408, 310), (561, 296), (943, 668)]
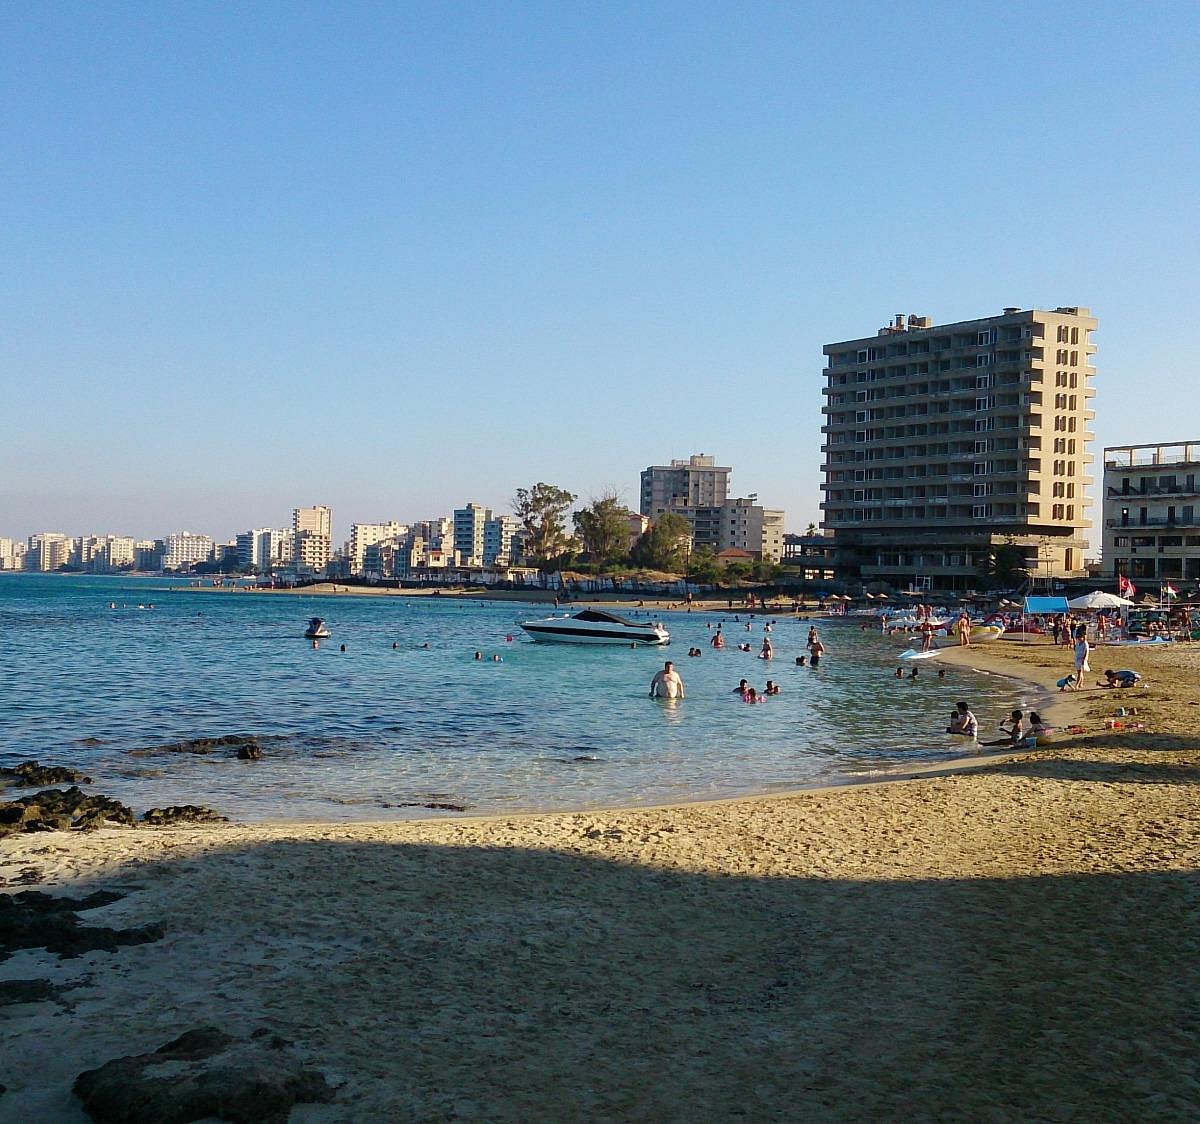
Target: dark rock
[(231, 744), (55, 809), (210, 1075), (434, 804), (27, 991), (35, 920), (29, 774), (183, 813), (251, 751)]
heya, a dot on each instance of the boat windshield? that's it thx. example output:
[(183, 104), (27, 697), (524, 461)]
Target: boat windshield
[(599, 616)]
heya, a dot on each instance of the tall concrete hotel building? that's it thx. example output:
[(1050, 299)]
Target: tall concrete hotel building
[(945, 441)]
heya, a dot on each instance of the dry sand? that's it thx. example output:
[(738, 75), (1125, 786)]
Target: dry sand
[(1020, 941)]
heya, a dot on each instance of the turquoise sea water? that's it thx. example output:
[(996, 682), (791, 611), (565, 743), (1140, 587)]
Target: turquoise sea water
[(360, 733)]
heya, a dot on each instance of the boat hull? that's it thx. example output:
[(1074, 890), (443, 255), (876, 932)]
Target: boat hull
[(566, 635)]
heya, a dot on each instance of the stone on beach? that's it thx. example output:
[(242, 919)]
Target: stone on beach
[(245, 746), (202, 1073), (182, 813), (55, 809)]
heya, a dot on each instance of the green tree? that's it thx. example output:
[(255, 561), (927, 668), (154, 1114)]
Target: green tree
[(664, 546), (736, 571), (1004, 566), (811, 529), (542, 510), (603, 529), (703, 566), (765, 571)]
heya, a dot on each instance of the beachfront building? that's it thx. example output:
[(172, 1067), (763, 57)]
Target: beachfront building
[(148, 554), (363, 535), (47, 550), (502, 540), (698, 489), (698, 482), (312, 539), (470, 524), (12, 554), (184, 549), (115, 553), (943, 442), (1151, 504)]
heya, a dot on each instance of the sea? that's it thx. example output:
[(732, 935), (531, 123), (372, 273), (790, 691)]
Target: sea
[(100, 672)]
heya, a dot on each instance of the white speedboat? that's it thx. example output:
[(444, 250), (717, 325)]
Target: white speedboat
[(595, 626), (317, 629)]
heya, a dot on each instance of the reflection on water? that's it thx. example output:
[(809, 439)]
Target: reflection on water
[(406, 716)]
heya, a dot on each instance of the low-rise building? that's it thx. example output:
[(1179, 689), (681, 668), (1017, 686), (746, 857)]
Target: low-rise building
[(1152, 511)]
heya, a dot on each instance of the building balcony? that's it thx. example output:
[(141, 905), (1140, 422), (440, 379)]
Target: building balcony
[(1152, 490), (1137, 524)]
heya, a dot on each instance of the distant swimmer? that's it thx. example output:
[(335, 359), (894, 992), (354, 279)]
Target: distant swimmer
[(394, 645), (772, 688), (899, 673), (666, 684), (767, 653), (718, 641), (479, 655), (496, 658), (816, 650), (343, 647), (741, 688), (801, 660), (751, 696)]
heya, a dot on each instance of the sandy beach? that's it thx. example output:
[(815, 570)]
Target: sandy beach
[(1011, 940)]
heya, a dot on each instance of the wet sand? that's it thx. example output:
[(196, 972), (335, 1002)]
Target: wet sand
[(1017, 940)]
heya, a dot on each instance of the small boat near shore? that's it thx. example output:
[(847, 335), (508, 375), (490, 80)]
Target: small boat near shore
[(317, 629), (595, 626)]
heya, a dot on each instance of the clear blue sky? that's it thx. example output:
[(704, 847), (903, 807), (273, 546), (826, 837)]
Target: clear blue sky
[(398, 257)]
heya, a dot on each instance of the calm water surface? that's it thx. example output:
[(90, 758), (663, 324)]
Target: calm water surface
[(355, 735)]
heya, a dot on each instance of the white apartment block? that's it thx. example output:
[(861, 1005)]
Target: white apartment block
[(1152, 511), (183, 549), (12, 554), (47, 551), (118, 552), (501, 540), (312, 531), (364, 535), (470, 523), (747, 526)]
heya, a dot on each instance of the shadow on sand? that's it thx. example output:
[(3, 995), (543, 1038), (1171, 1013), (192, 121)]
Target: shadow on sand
[(505, 984)]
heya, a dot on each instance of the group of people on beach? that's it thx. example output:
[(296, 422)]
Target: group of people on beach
[(1019, 732)]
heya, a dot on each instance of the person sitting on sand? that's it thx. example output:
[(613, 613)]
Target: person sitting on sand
[(963, 722), (1015, 731), (772, 688), (1120, 678), (1038, 728)]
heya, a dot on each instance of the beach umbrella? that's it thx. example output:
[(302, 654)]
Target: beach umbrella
[(1097, 599)]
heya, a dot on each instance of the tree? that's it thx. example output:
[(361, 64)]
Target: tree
[(542, 510), (703, 566), (810, 530), (663, 546), (603, 528), (1004, 566)]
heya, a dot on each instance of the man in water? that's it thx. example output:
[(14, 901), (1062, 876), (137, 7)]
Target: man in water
[(740, 689), (964, 722), (666, 684)]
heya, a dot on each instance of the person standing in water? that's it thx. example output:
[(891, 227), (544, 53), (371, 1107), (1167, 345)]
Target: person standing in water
[(666, 684)]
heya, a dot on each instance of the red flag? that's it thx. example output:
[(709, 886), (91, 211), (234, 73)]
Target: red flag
[(1170, 590), (1125, 587)]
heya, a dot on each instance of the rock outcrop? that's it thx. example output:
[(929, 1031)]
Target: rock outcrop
[(35, 920), (245, 746), (31, 774), (182, 813), (56, 809), (203, 1073)]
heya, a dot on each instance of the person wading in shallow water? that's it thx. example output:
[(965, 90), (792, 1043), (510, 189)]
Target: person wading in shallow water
[(666, 684)]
